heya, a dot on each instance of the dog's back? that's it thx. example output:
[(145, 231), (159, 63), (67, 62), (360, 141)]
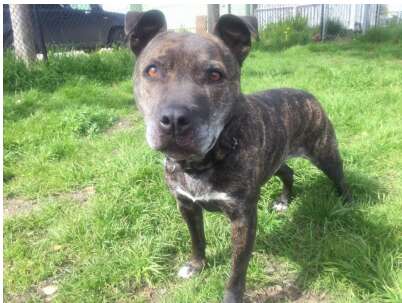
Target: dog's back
[(300, 115)]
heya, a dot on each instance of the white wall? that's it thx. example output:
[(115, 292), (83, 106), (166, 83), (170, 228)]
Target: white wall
[(180, 16)]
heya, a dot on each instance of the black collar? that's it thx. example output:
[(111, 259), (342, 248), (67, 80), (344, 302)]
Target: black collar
[(221, 150)]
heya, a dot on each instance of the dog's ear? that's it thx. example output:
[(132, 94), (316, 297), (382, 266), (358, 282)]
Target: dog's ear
[(236, 35), (140, 28)]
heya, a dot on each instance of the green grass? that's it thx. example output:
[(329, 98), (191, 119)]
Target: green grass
[(103, 67), (128, 239)]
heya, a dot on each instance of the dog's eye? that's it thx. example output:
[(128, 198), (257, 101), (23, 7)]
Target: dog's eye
[(214, 75), (152, 71)]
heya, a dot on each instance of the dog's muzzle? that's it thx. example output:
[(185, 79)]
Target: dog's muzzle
[(179, 132)]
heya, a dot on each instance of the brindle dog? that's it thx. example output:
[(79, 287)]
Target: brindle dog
[(220, 145)]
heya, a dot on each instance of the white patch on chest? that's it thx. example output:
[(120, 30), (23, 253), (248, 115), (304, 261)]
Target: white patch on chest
[(211, 196)]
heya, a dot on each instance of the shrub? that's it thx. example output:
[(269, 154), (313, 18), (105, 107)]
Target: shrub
[(390, 33), (334, 29), (285, 34)]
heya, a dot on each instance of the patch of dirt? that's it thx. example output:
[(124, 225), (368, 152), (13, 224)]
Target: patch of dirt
[(149, 294), (48, 291), (80, 196), (19, 206), (284, 293), (283, 288), (22, 298), (121, 124), (44, 291)]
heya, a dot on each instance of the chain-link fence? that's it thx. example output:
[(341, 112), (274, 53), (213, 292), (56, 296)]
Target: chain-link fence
[(33, 29)]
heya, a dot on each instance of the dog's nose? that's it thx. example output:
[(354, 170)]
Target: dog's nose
[(175, 119)]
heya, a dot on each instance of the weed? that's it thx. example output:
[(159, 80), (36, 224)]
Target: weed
[(88, 121), (285, 34)]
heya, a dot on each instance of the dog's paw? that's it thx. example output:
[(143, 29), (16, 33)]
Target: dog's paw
[(186, 271), (189, 270), (280, 206)]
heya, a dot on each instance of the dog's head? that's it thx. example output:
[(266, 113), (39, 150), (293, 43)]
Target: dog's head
[(186, 84)]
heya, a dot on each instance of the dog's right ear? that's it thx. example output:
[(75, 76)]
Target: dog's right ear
[(235, 34), (140, 28)]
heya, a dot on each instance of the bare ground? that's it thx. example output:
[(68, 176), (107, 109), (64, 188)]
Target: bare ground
[(20, 206), (121, 124), (284, 293), (283, 289)]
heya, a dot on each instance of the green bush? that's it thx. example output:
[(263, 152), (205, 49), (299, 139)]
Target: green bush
[(334, 29), (390, 33), (285, 34)]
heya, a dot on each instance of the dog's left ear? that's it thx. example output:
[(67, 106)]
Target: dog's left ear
[(236, 35), (140, 28)]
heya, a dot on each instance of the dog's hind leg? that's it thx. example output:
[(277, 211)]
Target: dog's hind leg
[(331, 165), (285, 173), (328, 160)]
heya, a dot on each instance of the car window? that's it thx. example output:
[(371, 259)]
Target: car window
[(81, 7), (50, 6)]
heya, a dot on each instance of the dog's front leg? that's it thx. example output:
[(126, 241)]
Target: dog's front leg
[(192, 214), (243, 235)]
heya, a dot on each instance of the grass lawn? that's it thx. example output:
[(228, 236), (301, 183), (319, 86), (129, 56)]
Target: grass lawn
[(87, 210)]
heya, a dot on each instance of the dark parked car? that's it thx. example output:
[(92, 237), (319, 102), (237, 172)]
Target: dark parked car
[(82, 26)]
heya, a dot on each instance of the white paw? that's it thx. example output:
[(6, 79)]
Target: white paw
[(280, 207), (186, 271)]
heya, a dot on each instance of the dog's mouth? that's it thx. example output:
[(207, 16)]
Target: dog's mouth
[(194, 144), (184, 149)]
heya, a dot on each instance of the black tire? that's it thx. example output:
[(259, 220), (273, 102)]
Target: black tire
[(116, 37), (8, 40)]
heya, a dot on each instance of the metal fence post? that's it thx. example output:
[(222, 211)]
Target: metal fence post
[(377, 15), (365, 17), (322, 25), (213, 16)]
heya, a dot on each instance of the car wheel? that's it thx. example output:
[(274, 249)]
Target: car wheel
[(8, 41), (116, 37)]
